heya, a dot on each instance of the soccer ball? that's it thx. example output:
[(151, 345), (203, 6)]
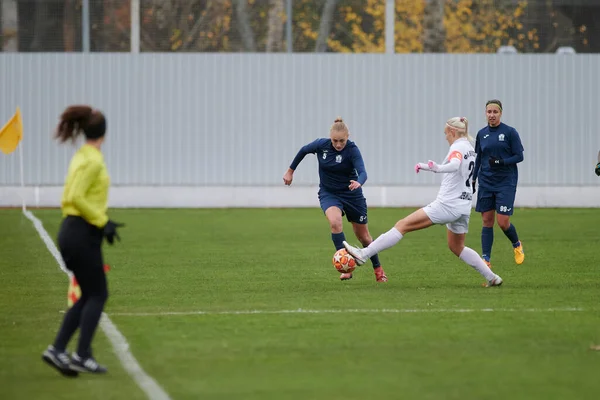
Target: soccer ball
[(344, 262)]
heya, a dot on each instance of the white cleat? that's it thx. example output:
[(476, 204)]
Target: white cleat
[(497, 281), (355, 252)]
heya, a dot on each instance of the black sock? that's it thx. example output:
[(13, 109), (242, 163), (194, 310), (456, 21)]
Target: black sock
[(338, 239), (69, 325), (375, 261), (90, 317), (487, 240), (511, 234)]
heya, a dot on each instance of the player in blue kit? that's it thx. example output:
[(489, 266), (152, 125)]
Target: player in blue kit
[(499, 150), (342, 174)]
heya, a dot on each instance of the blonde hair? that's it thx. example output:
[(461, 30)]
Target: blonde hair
[(461, 125), (339, 126)]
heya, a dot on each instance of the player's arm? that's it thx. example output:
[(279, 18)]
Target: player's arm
[(421, 167), (516, 148), (359, 164), (310, 148), (454, 160), (477, 159)]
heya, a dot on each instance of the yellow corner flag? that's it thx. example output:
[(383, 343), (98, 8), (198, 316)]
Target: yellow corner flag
[(11, 133), (74, 291)]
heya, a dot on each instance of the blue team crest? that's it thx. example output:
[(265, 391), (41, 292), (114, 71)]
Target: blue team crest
[(338, 158), (501, 137)]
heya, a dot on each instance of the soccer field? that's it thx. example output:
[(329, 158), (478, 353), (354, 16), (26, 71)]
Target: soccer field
[(183, 283)]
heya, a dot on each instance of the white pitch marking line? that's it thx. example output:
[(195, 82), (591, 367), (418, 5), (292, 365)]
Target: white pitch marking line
[(120, 346), (351, 310)]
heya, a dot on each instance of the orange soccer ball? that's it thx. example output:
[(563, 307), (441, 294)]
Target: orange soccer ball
[(344, 262)]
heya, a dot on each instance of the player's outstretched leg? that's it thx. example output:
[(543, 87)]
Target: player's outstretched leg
[(357, 253), (364, 237), (384, 241)]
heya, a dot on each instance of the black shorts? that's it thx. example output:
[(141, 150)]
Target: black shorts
[(502, 200), (80, 245), (354, 206)]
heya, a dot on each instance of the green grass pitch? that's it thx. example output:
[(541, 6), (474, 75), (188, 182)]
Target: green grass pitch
[(534, 342)]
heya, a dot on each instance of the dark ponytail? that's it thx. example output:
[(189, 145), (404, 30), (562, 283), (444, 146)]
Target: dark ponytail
[(77, 119)]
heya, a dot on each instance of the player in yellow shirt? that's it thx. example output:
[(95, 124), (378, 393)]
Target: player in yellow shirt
[(84, 226)]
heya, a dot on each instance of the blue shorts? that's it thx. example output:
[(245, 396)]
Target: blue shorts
[(352, 205), (502, 200)]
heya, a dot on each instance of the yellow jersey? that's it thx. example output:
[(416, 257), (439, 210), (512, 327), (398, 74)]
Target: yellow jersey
[(86, 187)]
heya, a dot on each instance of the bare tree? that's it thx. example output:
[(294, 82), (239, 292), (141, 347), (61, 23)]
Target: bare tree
[(325, 26), (47, 29), (244, 25), (275, 32), (192, 35), (584, 26), (68, 26), (8, 25), (434, 33), (1, 30)]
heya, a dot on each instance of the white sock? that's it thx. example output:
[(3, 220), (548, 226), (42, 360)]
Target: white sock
[(384, 241), (471, 257)]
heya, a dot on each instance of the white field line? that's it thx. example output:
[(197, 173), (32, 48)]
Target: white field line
[(120, 346), (352, 311)]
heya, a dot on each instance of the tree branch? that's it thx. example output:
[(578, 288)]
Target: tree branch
[(325, 26)]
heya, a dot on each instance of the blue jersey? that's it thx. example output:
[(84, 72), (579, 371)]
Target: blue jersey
[(500, 142), (336, 168)]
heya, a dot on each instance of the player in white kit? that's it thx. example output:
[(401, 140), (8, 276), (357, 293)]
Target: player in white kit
[(451, 207)]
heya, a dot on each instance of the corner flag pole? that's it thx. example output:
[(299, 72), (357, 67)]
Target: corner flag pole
[(22, 175)]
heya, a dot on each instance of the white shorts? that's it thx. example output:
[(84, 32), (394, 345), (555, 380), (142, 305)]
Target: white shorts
[(455, 220)]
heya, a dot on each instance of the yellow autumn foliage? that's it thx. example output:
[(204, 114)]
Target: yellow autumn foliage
[(472, 26)]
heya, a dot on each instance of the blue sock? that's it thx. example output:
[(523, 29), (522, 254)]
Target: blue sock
[(375, 261), (338, 239), (487, 239), (511, 234)]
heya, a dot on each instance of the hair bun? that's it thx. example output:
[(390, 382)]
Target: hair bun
[(338, 119)]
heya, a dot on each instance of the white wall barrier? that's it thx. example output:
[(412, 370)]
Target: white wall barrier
[(285, 197)]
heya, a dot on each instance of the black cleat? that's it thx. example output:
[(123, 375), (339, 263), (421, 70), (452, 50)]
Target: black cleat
[(87, 364), (60, 361)]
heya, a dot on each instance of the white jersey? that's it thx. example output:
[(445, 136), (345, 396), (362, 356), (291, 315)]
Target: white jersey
[(456, 190)]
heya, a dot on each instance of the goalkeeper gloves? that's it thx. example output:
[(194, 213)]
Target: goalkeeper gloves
[(495, 162), (110, 231)]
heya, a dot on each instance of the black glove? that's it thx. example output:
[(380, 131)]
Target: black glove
[(597, 170), (473, 183), (494, 162), (110, 231)]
